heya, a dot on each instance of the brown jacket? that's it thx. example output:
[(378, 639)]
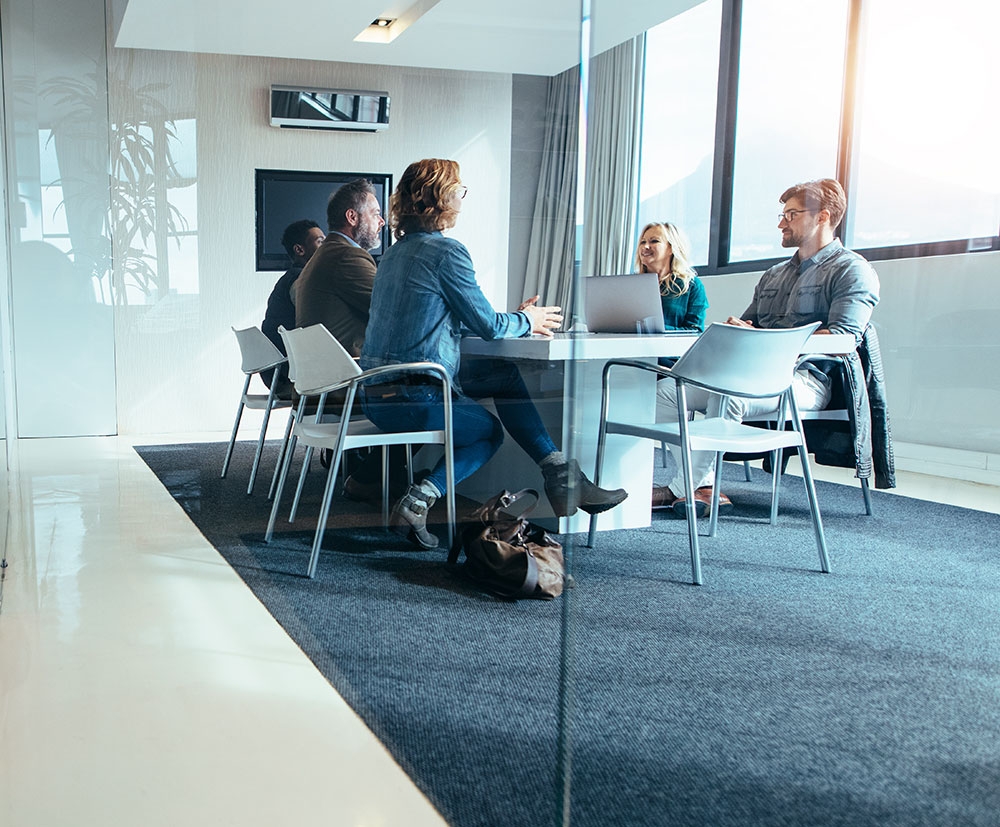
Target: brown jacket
[(335, 289)]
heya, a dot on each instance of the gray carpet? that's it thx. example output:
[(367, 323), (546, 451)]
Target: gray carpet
[(772, 695)]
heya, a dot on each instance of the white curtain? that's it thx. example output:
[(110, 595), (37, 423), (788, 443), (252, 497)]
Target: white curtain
[(552, 247), (613, 134)]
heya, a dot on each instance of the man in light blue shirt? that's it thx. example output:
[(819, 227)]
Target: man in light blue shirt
[(822, 282)]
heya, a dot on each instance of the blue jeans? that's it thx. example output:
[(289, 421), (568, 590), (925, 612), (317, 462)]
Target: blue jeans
[(477, 433)]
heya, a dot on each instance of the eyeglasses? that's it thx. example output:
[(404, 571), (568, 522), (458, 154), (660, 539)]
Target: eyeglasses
[(461, 191), (789, 215)]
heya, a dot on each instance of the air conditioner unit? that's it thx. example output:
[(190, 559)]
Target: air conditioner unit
[(293, 107)]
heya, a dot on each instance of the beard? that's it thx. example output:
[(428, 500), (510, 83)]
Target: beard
[(790, 240), (367, 238)]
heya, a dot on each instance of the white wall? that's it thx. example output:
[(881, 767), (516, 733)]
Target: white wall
[(177, 361), (936, 321)]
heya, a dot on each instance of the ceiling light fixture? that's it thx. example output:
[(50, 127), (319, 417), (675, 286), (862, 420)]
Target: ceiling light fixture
[(385, 30)]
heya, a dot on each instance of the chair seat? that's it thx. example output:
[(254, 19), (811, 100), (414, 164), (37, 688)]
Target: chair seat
[(835, 415), (258, 402), (715, 434), (362, 433)]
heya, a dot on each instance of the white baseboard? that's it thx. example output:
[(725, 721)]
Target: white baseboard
[(953, 463)]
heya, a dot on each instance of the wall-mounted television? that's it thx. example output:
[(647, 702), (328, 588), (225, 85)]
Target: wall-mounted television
[(285, 195)]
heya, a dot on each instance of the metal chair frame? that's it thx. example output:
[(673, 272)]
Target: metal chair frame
[(258, 354), (350, 432), (716, 434)]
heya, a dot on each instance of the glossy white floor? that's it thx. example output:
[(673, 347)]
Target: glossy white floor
[(142, 683)]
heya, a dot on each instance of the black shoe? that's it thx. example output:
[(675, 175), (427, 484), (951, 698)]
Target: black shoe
[(582, 491), (363, 492), (409, 518)]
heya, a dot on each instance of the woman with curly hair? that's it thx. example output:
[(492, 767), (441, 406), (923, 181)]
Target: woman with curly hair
[(425, 293)]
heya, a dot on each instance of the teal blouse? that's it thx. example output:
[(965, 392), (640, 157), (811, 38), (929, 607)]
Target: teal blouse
[(686, 311)]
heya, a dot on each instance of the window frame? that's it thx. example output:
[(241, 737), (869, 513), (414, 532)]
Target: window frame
[(720, 232)]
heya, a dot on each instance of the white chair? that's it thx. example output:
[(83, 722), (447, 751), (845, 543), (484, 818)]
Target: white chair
[(320, 366), (732, 361), (258, 354)]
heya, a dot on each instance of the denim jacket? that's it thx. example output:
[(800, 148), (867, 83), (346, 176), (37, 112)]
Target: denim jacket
[(425, 291)]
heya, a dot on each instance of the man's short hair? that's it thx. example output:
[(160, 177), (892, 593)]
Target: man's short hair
[(351, 196), (824, 194), (296, 233)]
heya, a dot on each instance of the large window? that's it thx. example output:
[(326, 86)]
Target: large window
[(788, 112), (678, 124), (894, 98), (926, 166)]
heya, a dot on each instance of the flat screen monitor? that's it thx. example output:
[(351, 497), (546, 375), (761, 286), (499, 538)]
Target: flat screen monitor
[(284, 196)]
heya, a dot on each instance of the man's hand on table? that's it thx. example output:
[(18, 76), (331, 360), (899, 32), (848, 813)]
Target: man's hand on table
[(738, 322)]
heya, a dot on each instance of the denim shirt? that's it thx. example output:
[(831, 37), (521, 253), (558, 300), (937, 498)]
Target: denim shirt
[(836, 287), (425, 291)]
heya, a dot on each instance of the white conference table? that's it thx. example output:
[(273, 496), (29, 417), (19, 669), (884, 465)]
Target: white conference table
[(570, 367)]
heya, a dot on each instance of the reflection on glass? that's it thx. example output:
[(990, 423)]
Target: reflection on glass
[(678, 123), (919, 176), (788, 112), (154, 201)]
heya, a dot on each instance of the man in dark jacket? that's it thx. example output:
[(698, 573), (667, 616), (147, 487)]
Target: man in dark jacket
[(335, 290), (301, 239)]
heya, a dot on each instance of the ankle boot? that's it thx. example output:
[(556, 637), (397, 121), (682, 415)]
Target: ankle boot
[(409, 518), (567, 487)]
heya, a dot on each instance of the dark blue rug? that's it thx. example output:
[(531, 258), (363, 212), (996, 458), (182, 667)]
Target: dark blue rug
[(773, 695)]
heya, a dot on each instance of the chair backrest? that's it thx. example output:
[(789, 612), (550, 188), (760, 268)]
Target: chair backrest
[(316, 359), (257, 351), (744, 361)]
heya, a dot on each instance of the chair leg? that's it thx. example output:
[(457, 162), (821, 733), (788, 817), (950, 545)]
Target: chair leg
[(663, 456), (713, 520), (236, 426), (281, 485), (692, 518), (385, 486), (775, 485), (260, 440), (302, 484), (746, 471), (324, 513), (824, 558), (454, 540), (281, 453), (602, 437), (867, 494)]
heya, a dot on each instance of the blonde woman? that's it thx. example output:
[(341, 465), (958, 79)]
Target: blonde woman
[(663, 249)]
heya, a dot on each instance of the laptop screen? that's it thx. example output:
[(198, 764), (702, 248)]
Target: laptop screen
[(623, 304)]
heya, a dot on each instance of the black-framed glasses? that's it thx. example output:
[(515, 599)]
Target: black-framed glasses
[(461, 191), (789, 215)]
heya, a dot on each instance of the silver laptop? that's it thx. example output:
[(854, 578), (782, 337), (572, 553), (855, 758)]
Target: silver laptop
[(623, 304)]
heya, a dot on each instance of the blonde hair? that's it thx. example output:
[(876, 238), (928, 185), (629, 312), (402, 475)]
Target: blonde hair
[(420, 202), (677, 281)]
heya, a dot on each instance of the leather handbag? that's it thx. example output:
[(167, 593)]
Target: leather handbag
[(508, 556)]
